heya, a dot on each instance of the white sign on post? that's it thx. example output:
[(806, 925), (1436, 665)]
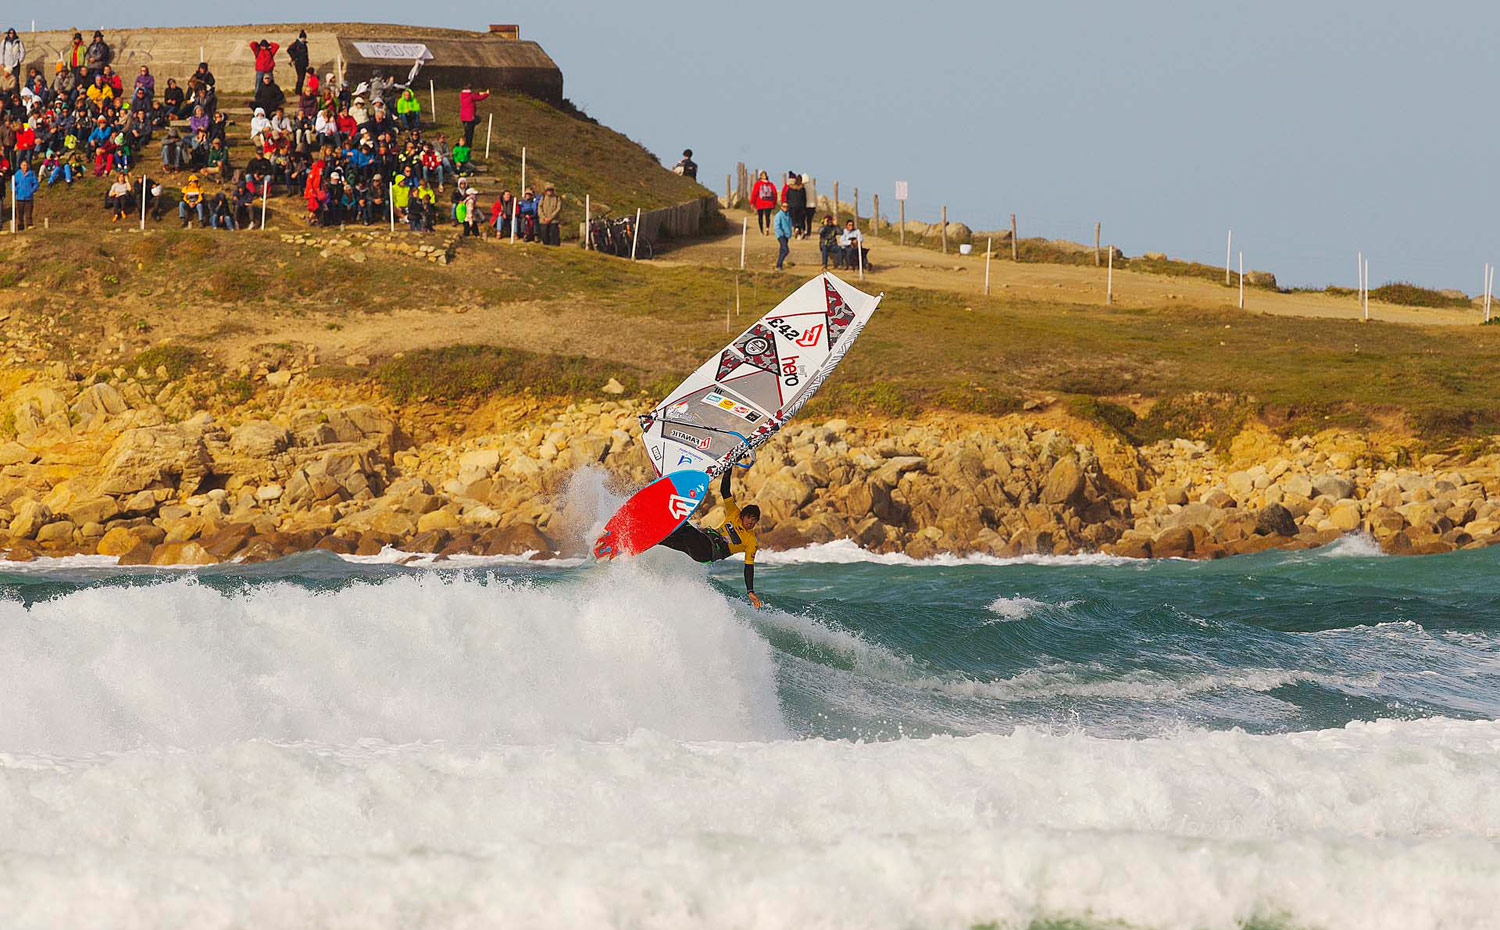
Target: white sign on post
[(401, 51), (901, 190)]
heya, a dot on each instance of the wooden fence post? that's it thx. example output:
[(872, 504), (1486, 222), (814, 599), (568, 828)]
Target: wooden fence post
[(728, 194), (945, 229), (1109, 280), (1096, 244), (856, 208), (875, 215), (903, 222), (836, 220), (1014, 254)]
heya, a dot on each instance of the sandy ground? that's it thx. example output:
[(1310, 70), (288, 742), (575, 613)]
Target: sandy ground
[(896, 266)]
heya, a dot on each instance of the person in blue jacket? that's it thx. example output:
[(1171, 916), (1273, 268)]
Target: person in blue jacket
[(782, 227), (24, 186)]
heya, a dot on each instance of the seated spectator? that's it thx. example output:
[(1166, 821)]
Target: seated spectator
[(409, 109), (268, 96), (192, 200), (146, 81), (259, 124), (197, 149), (218, 126), (244, 204), (220, 213), (114, 82), (851, 243), (153, 190), (432, 165), (527, 211), (173, 157), (380, 203), (199, 121), (461, 165), (120, 199), (216, 161), (100, 93), (828, 242), (172, 97)]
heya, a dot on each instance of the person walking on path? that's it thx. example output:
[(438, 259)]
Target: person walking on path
[(24, 186), (763, 201), (467, 98), (548, 210), (783, 226), (297, 52), (794, 195)]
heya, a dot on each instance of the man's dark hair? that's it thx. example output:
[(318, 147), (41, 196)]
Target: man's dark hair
[(687, 153), (750, 510)]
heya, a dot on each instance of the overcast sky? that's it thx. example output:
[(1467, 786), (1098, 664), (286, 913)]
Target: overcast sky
[(1314, 129)]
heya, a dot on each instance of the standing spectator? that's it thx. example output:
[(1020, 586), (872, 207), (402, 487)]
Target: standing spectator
[(783, 229), (812, 204), (78, 54), (265, 58), (470, 208), (12, 52), (687, 167), (409, 109), (97, 55), (763, 200), (794, 195), (828, 241), (502, 212), (24, 185), (466, 112), (548, 211), (297, 52)]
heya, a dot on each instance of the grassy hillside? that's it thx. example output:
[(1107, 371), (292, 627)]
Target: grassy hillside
[(577, 318)]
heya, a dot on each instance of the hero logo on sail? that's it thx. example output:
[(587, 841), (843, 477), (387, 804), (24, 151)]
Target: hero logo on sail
[(789, 375)]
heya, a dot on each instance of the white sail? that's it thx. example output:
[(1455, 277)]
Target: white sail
[(744, 393)]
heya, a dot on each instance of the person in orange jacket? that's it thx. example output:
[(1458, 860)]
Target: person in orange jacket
[(763, 199)]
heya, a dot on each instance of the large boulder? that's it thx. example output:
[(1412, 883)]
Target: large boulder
[(259, 439), (156, 456), (1275, 520), (1335, 487), (97, 403), (1065, 483), (30, 516)]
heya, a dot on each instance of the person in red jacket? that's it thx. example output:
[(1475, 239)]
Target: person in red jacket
[(763, 200), (265, 57), (466, 112)]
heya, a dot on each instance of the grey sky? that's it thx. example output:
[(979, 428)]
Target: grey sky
[(1313, 129)]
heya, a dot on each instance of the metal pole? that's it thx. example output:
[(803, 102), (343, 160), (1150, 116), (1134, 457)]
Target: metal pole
[(523, 169), (744, 234), (588, 219), (143, 202), (1242, 280), (515, 217), (1228, 250), (432, 89), (13, 204), (265, 195), (391, 201), (635, 234), (487, 133), (988, 243), (859, 249)]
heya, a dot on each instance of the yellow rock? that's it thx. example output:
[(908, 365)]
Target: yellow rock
[(117, 542), (437, 520)]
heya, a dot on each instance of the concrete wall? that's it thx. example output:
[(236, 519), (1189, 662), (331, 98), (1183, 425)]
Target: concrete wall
[(459, 56)]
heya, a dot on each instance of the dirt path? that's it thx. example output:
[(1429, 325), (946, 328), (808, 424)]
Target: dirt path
[(897, 266)]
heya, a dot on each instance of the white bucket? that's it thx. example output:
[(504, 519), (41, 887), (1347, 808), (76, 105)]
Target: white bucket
[(965, 249)]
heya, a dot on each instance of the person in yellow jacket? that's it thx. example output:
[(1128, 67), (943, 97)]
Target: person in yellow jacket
[(192, 199), (735, 537), (409, 109)]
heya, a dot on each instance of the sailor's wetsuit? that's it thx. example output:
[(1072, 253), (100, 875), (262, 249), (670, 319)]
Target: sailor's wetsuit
[(712, 545)]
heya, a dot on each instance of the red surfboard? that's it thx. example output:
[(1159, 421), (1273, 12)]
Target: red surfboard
[(653, 514)]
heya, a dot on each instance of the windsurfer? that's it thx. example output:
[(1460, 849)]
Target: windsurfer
[(737, 535)]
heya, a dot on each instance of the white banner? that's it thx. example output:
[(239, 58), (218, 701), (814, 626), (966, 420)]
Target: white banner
[(400, 51), (901, 190)]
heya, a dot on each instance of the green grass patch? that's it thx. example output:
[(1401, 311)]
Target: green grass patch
[(177, 360), (474, 372), (1410, 295)]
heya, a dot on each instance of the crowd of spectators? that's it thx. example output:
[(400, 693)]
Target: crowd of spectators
[(354, 155), (788, 214)]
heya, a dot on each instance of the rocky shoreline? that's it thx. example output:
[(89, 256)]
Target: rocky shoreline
[(128, 467)]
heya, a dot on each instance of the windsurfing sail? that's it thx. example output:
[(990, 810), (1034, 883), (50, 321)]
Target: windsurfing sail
[(748, 390)]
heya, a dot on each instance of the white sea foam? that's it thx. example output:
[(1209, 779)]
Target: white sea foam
[(1067, 681), (607, 749), (846, 551), (1381, 826), (1019, 608)]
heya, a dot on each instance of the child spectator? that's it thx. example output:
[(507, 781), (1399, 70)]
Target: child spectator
[(461, 166)]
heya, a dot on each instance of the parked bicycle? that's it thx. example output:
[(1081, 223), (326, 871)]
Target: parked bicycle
[(616, 236)]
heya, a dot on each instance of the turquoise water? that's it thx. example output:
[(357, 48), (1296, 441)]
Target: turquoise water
[(1301, 739)]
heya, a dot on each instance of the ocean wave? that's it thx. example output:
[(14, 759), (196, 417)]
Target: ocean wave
[(410, 657), (1383, 826), (1139, 686), (846, 552), (1019, 608)]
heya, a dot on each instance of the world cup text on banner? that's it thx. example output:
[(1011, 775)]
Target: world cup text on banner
[(400, 51)]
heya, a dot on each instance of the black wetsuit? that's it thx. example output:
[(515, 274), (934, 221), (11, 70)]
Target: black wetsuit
[(703, 545)]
